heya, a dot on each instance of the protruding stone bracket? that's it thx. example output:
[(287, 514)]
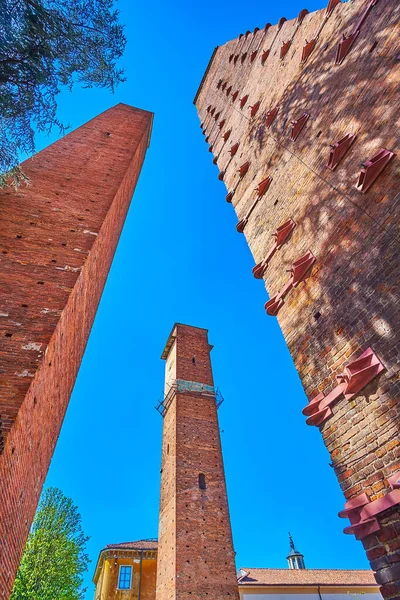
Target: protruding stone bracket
[(286, 45), (307, 49), (225, 138), (339, 149), (228, 90), (363, 513), (356, 375), (232, 152), (261, 189), (243, 100), (281, 21), (263, 186), (243, 169), (360, 372), (285, 48), (299, 270), (219, 83), (371, 169), (254, 109), (234, 149), (298, 125), (348, 41), (310, 45), (265, 55), (242, 224), (242, 172), (235, 95), (243, 58), (300, 17), (270, 116), (344, 46), (224, 86), (281, 235), (253, 55), (394, 481), (331, 7), (215, 117), (207, 119)]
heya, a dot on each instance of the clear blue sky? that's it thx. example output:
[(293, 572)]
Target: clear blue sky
[(181, 259)]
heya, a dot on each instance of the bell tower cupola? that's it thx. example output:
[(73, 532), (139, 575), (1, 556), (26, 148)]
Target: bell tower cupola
[(295, 558)]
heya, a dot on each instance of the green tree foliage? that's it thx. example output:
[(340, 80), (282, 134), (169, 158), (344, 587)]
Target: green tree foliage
[(55, 556), (45, 45)]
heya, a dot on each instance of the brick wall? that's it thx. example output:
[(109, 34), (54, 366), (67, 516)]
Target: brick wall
[(195, 554), (58, 238), (347, 301)]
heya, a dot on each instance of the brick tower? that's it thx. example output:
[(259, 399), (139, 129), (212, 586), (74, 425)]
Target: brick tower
[(303, 121), (195, 554), (58, 238)]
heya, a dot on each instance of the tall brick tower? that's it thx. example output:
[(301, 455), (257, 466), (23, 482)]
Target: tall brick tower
[(195, 553), (58, 238), (303, 121)]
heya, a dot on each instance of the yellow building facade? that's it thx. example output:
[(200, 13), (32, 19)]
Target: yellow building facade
[(128, 571)]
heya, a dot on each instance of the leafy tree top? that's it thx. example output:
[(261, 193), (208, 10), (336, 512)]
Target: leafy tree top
[(45, 45), (55, 556)]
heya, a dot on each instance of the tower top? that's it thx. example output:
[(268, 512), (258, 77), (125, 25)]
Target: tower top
[(295, 558), (172, 337)]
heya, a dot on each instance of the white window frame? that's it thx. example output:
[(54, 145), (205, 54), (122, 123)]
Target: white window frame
[(130, 579)]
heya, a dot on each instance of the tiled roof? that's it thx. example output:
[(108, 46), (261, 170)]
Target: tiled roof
[(150, 544), (277, 577)]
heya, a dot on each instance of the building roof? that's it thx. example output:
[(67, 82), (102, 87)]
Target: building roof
[(138, 545), (306, 577), (150, 544)]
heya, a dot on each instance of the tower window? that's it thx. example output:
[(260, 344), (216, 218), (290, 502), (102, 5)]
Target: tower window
[(202, 481), (125, 577)]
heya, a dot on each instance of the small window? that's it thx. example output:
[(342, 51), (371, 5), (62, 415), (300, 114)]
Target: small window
[(125, 577), (202, 481)]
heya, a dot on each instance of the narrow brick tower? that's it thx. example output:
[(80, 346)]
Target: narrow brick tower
[(303, 120), (57, 238), (195, 555)]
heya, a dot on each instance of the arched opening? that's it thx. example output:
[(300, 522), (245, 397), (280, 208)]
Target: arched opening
[(202, 481)]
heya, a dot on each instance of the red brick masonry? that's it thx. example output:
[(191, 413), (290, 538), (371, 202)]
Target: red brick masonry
[(195, 551), (286, 94), (58, 237)]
